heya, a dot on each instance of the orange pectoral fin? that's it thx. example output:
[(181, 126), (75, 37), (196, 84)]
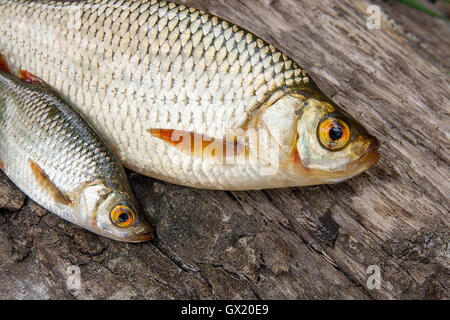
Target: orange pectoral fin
[(199, 144), (3, 65), (44, 182), (167, 135), (28, 77), (2, 166)]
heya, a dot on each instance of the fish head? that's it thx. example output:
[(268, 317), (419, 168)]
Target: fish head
[(331, 145), (318, 142), (110, 209)]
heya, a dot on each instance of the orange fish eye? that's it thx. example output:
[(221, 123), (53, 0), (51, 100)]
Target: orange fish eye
[(122, 216), (333, 133)]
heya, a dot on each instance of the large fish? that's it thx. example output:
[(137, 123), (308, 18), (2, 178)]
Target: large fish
[(54, 156), (184, 96)]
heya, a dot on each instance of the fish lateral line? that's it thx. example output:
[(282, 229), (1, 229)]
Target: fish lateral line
[(47, 185)]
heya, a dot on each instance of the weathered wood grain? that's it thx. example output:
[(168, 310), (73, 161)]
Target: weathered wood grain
[(297, 243)]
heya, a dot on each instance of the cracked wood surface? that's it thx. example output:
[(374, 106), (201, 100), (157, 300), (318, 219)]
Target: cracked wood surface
[(296, 243)]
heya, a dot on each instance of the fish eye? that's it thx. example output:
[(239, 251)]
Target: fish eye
[(333, 133), (122, 216)]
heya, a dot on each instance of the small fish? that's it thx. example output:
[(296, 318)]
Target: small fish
[(55, 157), (185, 96)]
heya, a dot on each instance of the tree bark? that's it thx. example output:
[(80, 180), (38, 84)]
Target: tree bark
[(293, 243)]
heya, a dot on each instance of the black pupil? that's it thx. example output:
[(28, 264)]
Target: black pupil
[(123, 217), (336, 132)]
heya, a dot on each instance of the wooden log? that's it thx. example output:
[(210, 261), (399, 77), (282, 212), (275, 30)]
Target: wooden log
[(297, 243)]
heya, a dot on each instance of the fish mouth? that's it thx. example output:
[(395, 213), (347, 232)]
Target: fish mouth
[(140, 237), (372, 155), (143, 237), (369, 158)]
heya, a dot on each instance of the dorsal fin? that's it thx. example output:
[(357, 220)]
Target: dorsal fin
[(44, 182), (28, 77), (3, 65)]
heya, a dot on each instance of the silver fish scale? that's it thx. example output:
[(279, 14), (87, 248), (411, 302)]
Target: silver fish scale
[(130, 66), (36, 126)]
